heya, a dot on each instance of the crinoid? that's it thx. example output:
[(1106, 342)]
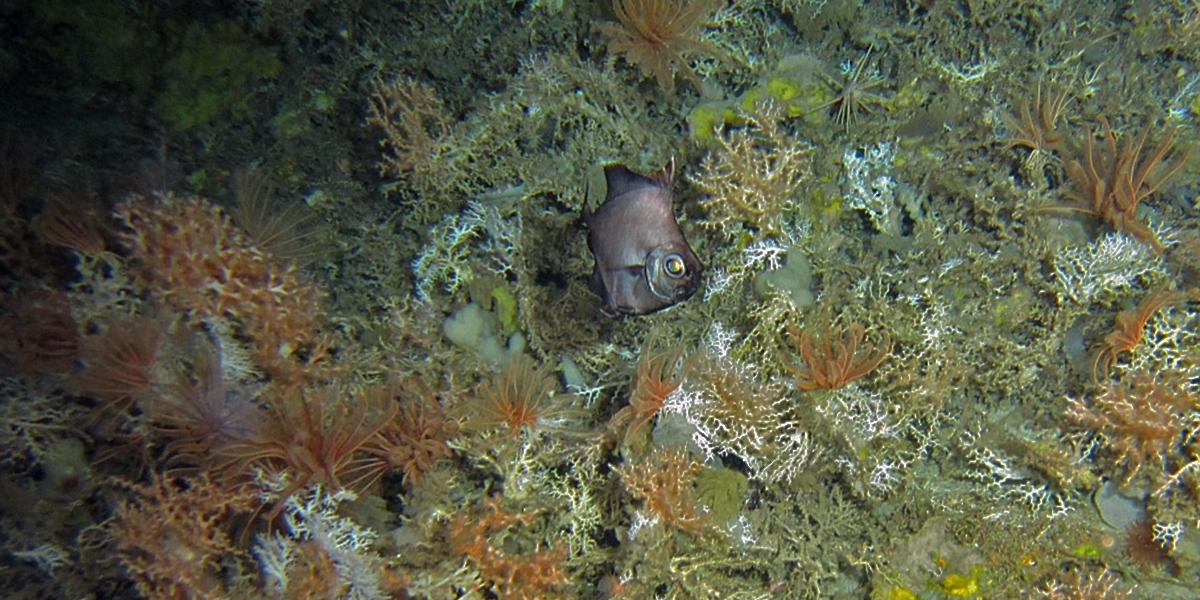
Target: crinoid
[(657, 35), (519, 401), (312, 435), (1127, 328), (417, 437), (1034, 125), (855, 95), (1111, 181), (837, 358), (657, 377)]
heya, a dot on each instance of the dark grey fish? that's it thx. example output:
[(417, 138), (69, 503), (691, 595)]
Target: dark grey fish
[(643, 262)]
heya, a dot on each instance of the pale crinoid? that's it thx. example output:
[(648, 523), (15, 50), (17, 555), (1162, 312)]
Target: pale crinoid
[(855, 93), (656, 35)]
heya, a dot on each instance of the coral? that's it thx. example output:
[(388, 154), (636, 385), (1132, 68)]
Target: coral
[(665, 482), (488, 537), (1104, 268), (871, 187), (838, 357), (1110, 182), (657, 35), (656, 378), (172, 537), (189, 253), (416, 131), (1104, 586), (320, 553), (752, 175), (735, 413), (1142, 420), (417, 436)]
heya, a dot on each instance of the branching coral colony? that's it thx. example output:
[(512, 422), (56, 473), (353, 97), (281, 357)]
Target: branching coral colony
[(1144, 422), (751, 177), (217, 379)]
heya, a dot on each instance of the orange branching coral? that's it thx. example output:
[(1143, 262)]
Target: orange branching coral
[(417, 436), (657, 377), (665, 482), (753, 174), (188, 252), (172, 538), (1127, 330), (656, 35), (837, 358), (1142, 421), (1110, 182), (520, 399), (416, 129), (513, 563), (313, 436)]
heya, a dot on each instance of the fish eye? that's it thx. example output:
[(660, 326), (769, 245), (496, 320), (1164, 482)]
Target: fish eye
[(674, 265)]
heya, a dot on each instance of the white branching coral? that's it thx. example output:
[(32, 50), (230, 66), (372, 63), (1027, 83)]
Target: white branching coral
[(734, 413), (482, 231), (314, 534), (870, 186), (1112, 264)]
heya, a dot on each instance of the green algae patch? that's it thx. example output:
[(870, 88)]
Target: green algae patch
[(722, 491), (214, 75)]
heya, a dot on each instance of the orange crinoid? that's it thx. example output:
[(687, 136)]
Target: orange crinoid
[(836, 359), (1111, 181), (656, 34)]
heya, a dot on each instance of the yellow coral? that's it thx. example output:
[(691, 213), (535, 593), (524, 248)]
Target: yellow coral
[(751, 177)]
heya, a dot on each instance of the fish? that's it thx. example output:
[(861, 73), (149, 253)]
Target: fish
[(643, 262)]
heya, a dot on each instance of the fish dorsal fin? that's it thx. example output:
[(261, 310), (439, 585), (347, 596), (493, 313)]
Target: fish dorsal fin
[(621, 181), (665, 175)]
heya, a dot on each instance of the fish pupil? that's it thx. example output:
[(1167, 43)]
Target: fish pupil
[(674, 265)]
